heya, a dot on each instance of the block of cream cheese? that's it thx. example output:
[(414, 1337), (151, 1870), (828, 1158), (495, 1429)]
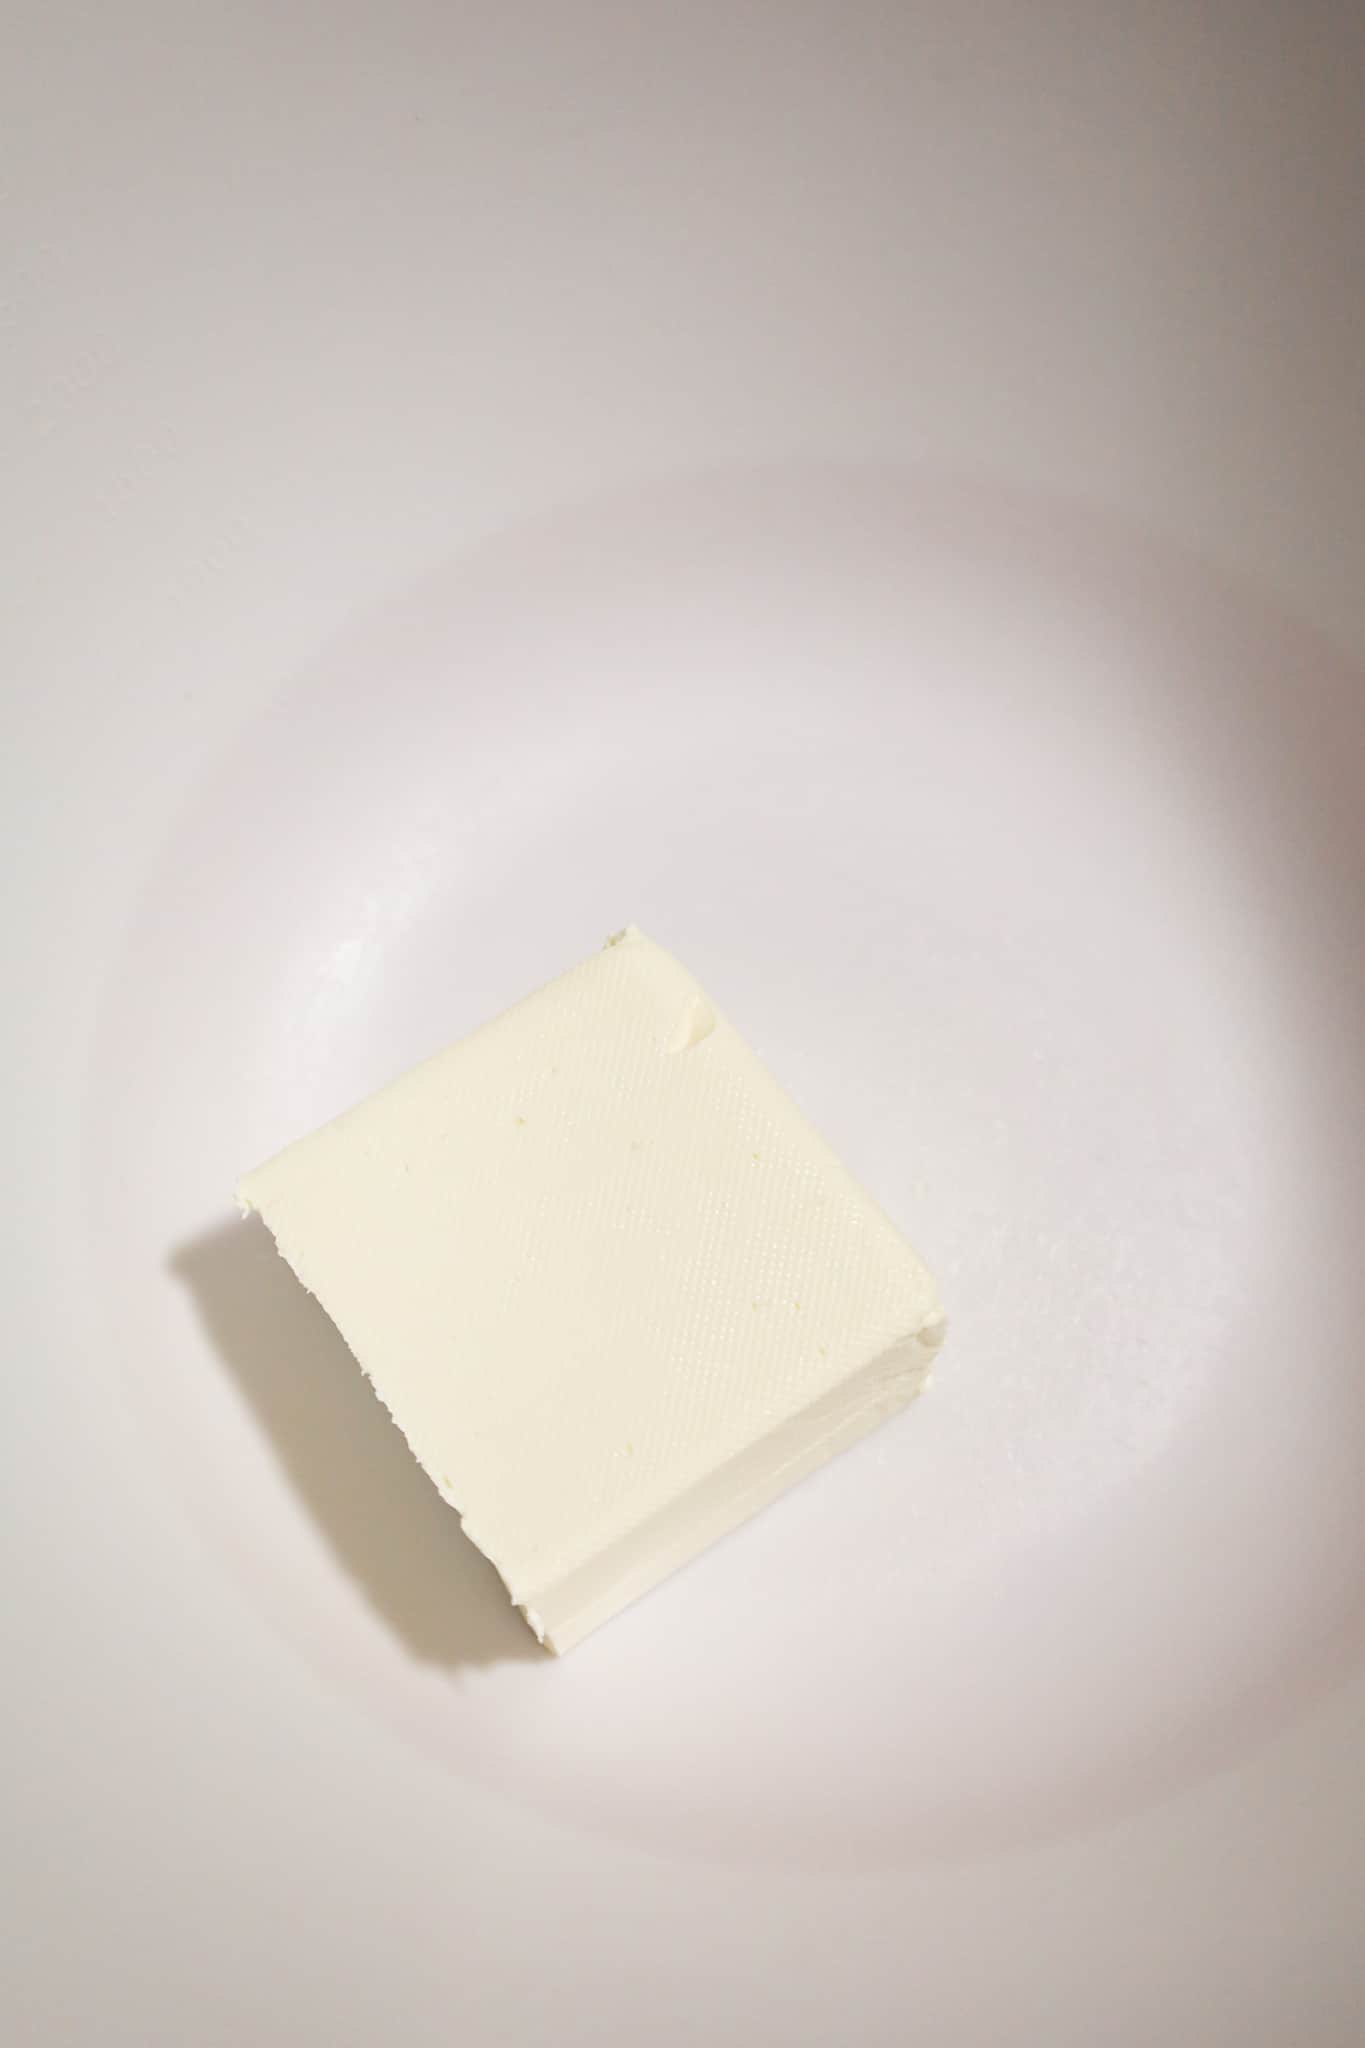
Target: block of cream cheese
[(613, 1288)]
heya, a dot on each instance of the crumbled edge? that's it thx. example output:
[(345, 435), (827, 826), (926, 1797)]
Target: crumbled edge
[(536, 1626), (248, 1209)]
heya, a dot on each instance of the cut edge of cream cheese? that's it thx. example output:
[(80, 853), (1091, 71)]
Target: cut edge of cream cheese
[(614, 1290)]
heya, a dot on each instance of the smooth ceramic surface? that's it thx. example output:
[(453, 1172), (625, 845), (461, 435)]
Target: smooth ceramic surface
[(1018, 822), (961, 804)]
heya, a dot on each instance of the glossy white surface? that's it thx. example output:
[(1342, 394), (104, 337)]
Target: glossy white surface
[(926, 448)]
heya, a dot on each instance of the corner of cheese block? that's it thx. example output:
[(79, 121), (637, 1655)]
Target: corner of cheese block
[(932, 1331), (534, 1623), (566, 1610), (251, 1204)]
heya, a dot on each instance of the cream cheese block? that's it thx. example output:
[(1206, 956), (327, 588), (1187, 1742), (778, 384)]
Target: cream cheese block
[(612, 1287)]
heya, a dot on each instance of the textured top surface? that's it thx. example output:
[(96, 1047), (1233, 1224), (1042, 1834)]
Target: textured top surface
[(588, 1254)]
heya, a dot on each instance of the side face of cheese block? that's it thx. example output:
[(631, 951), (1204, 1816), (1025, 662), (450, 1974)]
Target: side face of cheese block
[(613, 1288)]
